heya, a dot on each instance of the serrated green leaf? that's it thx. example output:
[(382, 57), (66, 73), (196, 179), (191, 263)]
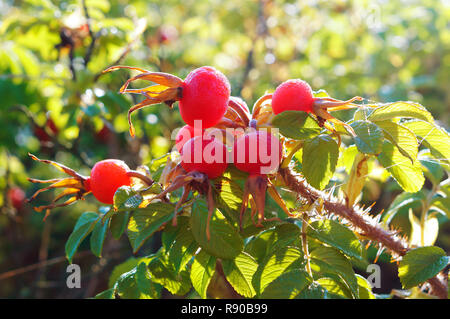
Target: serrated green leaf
[(319, 160), (162, 273), (402, 137), (98, 237), (183, 247), (107, 294), (335, 288), (408, 175), (296, 124), (402, 109), (83, 227), (289, 285), (126, 198), (270, 240), (313, 291), (402, 200), (364, 288), (228, 197), (239, 273), (145, 221), (119, 222), (202, 271), (225, 241), (334, 234), (275, 264), (433, 137), (369, 137), (329, 261), (126, 287), (421, 264), (122, 268), (144, 282)]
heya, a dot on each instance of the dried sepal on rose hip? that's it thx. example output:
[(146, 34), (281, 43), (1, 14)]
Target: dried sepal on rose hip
[(203, 95), (105, 178), (202, 158), (297, 95)]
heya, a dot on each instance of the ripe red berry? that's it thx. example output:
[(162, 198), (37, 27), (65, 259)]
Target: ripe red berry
[(204, 97), (106, 177), (204, 155), (185, 134), (257, 152), (16, 196), (293, 95)]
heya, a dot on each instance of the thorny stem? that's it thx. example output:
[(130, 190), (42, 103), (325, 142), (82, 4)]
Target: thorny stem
[(360, 220)]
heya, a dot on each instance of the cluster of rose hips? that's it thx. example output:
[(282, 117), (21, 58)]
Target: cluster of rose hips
[(207, 108)]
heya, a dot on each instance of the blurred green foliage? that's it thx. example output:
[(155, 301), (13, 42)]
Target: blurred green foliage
[(52, 54)]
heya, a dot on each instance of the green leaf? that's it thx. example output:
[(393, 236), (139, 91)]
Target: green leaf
[(162, 273), (319, 160), (421, 264), (126, 287), (428, 232), (433, 137), (183, 247), (228, 197), (329, 261), (145, 221), (122, 268), (225, 241), (356, 180), (107, 294), (402, 200), (289, 285), (334, 234), (275, 264), (313, 291), (119, 222), (369, 137), (126, 198), (335, 288), (401, 109), (296, 124), (402, 137), (239, 273), (98, 237), (202, 271), (272, 239), (432, 169), (144, 282), (364, 288), (83, 227), (408, 175)]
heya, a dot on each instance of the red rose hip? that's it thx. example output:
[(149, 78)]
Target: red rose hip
[(106, 177), (204, 155), (293, 95), (257, 152), (204, 97)]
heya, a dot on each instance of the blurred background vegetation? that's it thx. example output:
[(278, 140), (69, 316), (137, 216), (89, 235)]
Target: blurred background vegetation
[(56, 104)]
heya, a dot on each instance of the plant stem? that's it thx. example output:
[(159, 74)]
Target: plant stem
[(305, 244), (360, 220)]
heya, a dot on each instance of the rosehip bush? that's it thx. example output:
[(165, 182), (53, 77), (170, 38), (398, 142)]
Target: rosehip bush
[(272, 187), (236, 216)]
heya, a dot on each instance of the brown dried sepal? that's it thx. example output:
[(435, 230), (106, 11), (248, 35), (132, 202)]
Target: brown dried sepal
[(168, 89), (75, 186)]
